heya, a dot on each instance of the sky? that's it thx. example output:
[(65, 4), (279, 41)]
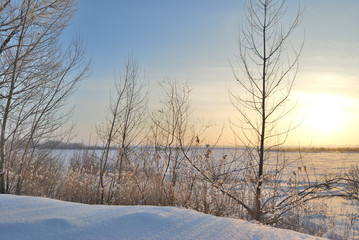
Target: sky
[(196, 41)]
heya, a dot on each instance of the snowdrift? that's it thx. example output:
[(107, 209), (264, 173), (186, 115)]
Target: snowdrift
[(25, 218)]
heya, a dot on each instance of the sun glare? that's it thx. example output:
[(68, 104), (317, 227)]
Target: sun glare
[(326, 113)]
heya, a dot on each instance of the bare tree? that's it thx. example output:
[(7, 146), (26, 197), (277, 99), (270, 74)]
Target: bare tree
[(268, 64), (252, 178), (124, 125), (37, 76)]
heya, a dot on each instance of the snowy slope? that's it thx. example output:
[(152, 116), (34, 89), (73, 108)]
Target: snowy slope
[(26, 218)]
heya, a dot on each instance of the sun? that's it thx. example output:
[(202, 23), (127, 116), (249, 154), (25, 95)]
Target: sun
[(326, 113), (325, 119)]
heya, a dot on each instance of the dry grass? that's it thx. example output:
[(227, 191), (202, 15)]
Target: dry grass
[(143, 182)]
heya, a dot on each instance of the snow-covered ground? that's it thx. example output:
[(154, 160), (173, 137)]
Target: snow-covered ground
[(25, 218)]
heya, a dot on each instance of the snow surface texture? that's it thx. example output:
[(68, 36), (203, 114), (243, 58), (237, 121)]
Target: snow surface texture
[(25, 218)]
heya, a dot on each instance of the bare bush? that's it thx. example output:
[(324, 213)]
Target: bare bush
[(352, 180), (123, 129)]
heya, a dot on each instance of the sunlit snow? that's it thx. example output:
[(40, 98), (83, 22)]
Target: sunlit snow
[(26, 218)]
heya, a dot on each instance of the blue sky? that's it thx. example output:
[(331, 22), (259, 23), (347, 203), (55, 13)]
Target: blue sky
[(195, 41)]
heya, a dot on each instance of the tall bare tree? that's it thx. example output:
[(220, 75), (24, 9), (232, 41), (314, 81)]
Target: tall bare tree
[(37, 75), (268, 64), (250, 179)]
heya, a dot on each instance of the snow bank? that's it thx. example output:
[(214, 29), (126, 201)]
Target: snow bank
[(23, 217)]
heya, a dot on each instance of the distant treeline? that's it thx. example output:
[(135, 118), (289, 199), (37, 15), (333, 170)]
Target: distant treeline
[(319, 149), (62, 145)]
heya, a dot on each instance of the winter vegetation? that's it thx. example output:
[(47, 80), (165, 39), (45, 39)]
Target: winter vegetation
[(160, 155)]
